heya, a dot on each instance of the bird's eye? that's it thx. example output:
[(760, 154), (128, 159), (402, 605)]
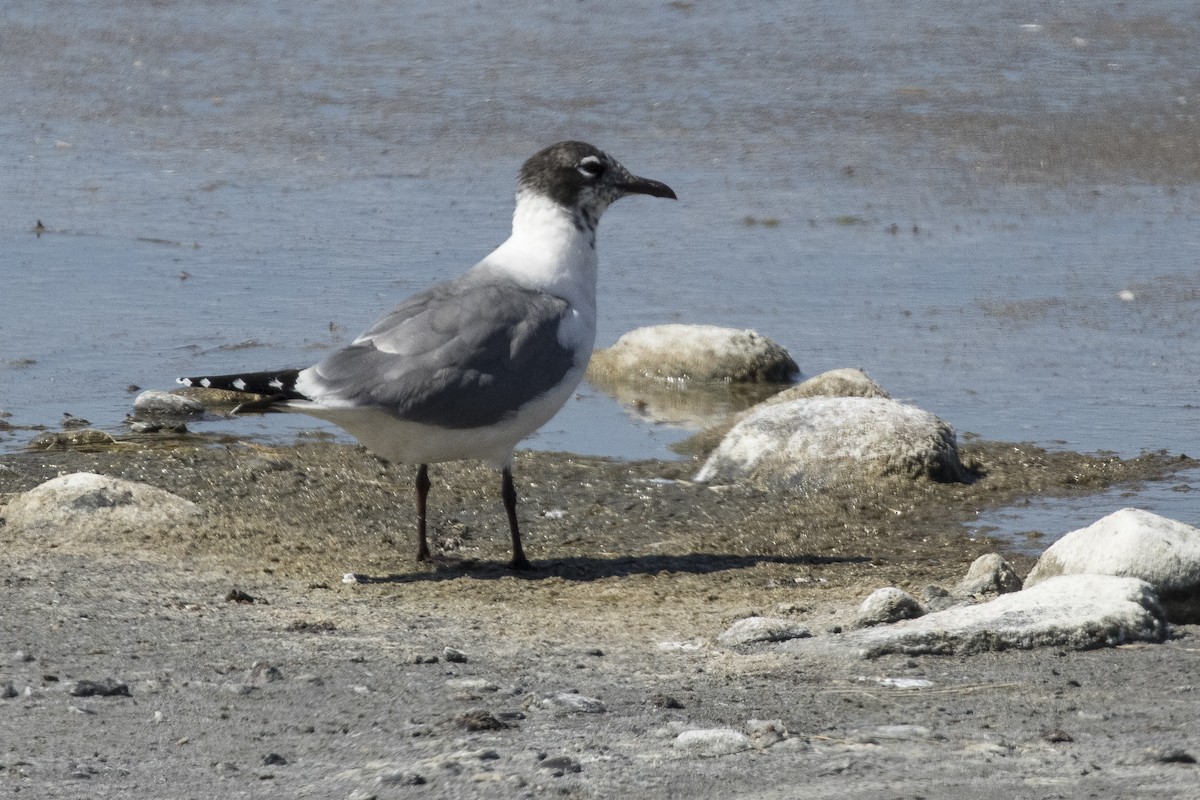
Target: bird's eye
[(591, 167)]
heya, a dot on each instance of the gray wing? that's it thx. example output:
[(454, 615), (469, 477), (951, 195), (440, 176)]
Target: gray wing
[(462, 354)]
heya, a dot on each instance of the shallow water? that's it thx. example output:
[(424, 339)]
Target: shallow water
[(245, 185)]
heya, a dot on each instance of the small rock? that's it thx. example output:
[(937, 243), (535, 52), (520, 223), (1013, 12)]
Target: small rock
[(454, 656), (274, 760), (261, 673), (105, 688), (813, 442), (692, 353), (66, 440), (904, 683), (421, 658), (988, 574), (401, 777), (70, 421), (761, 629), (8, 691), (479, 720), (887, 605), (766, 732), (898, 732), (472, 685), (86, 507), (567, 703), (154, 402), (936, 598), (846, 382), (714, 741), (664, 701), (560, 765)]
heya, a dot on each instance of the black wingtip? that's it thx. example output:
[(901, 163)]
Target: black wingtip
[(278, 383)]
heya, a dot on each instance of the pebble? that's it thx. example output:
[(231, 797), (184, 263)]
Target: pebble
[(665, 701), (560, 765), (988, 574), (454, 655), (693, 353), (714, 741), (401, 777), (887, 605), (567, 703), (892, 732), (845, 382), (154, 401), (766, 732), (105, 688), (479, 720), (261, 673), (65, 440), (904, 683), (472, 685), (70, 421), (761, 629)]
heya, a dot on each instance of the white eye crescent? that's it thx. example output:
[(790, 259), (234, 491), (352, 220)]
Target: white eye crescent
[(590, 167)]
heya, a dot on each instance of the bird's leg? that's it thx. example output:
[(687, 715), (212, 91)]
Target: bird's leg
[(508, 493), (422, 493)]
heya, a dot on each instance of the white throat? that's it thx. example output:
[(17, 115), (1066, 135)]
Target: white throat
[(549, 253)]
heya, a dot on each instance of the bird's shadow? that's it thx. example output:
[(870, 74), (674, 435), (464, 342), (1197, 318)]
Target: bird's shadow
[(590, 568)]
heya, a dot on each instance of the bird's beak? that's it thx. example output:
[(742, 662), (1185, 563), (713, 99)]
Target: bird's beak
[(636, 185)]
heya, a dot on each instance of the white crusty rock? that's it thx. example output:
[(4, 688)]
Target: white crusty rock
[(85, 507), (887, 605), (819, 440), (1136, 544), (989, 574), (154, 402), (761, 629), (692, 353), (1073, 611), (845, 382)]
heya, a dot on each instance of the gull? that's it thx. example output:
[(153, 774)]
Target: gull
[(469, 367)]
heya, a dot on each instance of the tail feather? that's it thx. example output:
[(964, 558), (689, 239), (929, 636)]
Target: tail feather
[(276, 385)]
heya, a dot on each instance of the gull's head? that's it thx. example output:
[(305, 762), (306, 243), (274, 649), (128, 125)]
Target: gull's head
[(583, 179)]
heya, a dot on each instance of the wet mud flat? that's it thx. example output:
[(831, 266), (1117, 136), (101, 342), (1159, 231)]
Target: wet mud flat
[(250, 668)]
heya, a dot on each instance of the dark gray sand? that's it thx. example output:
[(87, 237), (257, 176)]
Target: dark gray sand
[(231, 660)]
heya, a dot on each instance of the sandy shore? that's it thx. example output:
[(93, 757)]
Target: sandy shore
[(251, 670)]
